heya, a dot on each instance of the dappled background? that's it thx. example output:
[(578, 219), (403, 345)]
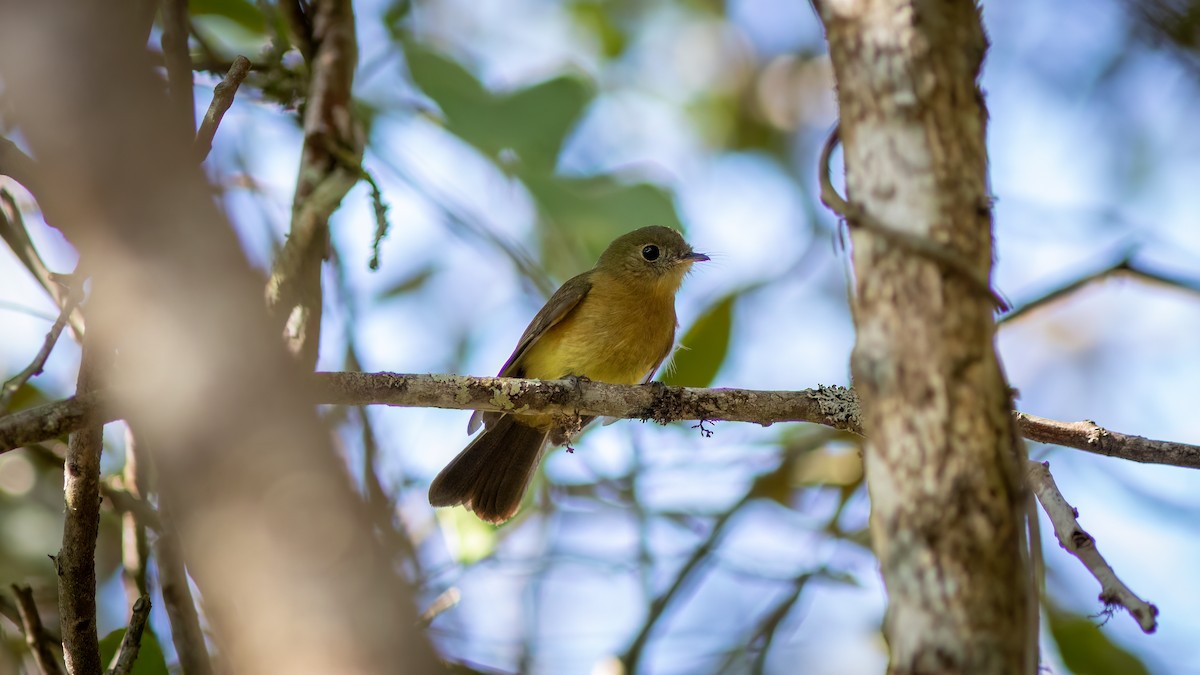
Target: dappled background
[(513, 140)]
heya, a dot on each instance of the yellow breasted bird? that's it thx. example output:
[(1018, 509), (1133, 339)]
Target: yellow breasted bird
[(614, 323)]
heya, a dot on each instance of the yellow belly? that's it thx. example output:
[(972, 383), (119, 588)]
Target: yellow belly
[(616, 334)]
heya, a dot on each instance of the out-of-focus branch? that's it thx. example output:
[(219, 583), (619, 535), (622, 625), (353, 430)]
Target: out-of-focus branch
[(186, 634), (329, 167), (131, 643), (1077, 542), (36, 638), (16, 235), (222, 99), (293, 578), (134, 548), (36, 366), (179, 62), (76, 561), (658, 607), (1127, 265), (835, 407)]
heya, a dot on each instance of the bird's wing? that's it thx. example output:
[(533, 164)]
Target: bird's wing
[(565, 299)]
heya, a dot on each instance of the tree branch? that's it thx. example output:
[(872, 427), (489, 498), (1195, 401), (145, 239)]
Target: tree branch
[(16, 235), (222, 99), (76, 561), (35, 634), (835, 407), (330, 135), (131, 643), (39, 361), (177, 599), (1077, 542), (179, 62)]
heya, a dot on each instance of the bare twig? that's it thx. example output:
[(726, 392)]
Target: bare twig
[(134, 548), (132, 641), (16, 235), (222, 99), (1089, 436), (35, 634), (1077, 542), (855, 216), (39, 361), (299, 26), (76, 561), (177, 599), (294, 290), (179, 61), (634, 654), (1126, 265), (835, 407)]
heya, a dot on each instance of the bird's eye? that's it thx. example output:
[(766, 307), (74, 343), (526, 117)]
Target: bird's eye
[(650, 252)]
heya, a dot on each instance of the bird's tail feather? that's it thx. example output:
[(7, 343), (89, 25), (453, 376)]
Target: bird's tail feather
[(491, 474)]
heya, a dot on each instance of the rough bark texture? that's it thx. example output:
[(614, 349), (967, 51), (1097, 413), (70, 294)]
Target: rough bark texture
[(76, 560), (333, 148), (940, 461)]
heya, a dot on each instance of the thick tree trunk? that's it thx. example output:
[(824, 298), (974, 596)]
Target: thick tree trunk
[(941, 467)]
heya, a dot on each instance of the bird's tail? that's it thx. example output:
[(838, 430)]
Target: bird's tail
[(491, 474)]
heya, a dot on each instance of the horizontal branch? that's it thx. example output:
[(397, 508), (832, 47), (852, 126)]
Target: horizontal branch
[(835, 407), (1073, 538)]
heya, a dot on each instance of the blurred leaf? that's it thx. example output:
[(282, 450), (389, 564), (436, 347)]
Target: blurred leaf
[(1086, 650), (535, 121), (702, 350), (582, 215), (531, 122), (409, 284), (241, 12), (598, 19), (472, 539), (150, 659)]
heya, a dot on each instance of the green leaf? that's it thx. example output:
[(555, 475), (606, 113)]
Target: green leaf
[(702, 350), (150, 659), (241, 12), (1086, 650), (408, 284), (532, 123), (473, 539), (581, 216)]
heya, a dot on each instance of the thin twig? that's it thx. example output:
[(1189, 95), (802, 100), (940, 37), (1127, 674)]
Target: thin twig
[(76, 561), (179, 61), (131, 643), (16, 235), (135, 550), (1127, 265), (1077, 542), (222, 99), (177, 599), (1089, 436), (39, 361), (835, 407), (634, 654), (856, 216), (35, 634)]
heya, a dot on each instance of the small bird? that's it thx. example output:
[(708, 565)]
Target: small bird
[(614, 323)]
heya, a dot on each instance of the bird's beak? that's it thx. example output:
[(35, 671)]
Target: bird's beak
[(692, 256)]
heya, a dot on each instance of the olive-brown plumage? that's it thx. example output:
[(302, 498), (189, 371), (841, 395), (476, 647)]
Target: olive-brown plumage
[(614, 323)]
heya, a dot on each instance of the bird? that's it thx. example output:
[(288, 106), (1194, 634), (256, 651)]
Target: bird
[(614, 323)]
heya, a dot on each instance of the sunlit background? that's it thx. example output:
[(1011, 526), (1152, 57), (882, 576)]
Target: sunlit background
[(512, 140)]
